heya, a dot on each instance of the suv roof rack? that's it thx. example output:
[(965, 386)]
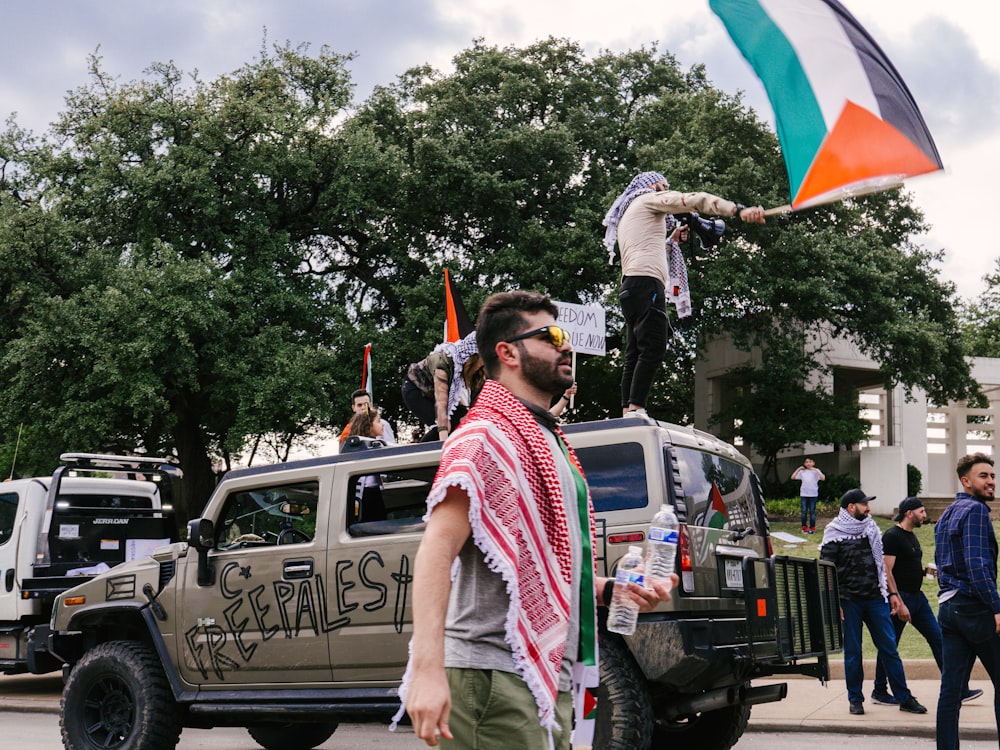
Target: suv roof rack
[(108, 461)]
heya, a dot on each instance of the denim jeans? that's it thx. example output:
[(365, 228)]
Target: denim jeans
[(923, 619), (968, 630), (875, 614), (644, 307), (809, 511)]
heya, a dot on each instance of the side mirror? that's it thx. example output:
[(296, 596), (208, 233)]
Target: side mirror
[(201, 536), (201, 533)]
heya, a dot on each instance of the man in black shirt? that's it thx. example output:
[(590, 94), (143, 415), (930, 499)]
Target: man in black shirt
[(903, 558), (868, 596)]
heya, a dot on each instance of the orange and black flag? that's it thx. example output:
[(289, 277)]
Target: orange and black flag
[(457, 324)]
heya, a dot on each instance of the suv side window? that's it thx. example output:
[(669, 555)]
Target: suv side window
[(8, 512), (616, 475), (388, 503), (276, 514), (717, 492)]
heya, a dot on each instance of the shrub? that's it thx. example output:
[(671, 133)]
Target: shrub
[(914, 481), (835, 486)]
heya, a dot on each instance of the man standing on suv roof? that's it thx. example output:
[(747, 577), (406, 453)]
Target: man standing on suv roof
[(495, 637), (965, 550), (641, 221), (868, 595)]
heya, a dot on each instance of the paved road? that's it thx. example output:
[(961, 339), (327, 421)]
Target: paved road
[(799, 740), (41, 732)]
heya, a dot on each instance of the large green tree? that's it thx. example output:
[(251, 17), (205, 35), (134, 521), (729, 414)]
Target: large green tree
[(981, 319), (170, 298), (194, 264)]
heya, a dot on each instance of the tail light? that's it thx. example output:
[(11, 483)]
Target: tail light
[(684, 549)]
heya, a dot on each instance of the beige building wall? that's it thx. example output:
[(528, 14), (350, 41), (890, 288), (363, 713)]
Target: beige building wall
[(904, 431)]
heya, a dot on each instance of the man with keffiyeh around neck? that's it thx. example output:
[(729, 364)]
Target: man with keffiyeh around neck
[(505, 590), (868, 595), (642, 222)]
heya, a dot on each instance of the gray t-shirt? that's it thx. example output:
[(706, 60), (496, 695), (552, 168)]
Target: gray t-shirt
[(475, 629)]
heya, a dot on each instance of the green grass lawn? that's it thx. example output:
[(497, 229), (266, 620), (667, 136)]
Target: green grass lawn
[(912, 645)]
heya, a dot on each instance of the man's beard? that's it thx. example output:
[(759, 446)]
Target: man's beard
[(859, 516), (543, 375)]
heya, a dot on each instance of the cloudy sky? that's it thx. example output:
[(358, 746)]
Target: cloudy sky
[(946, 52)]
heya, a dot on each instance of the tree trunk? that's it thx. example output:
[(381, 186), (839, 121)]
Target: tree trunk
[(199, 476)]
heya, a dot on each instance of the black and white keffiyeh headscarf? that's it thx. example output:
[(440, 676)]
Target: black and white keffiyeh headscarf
[(459, 353), (678, 292), (640, 184), (846, 526)]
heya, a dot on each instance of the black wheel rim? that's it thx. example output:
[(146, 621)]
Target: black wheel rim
[(109, 712)]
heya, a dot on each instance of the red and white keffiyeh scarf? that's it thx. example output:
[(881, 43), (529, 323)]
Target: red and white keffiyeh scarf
[(500, 457)]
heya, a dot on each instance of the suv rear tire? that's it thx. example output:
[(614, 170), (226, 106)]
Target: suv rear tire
[(117, 698), (292, 736), (624, 714)]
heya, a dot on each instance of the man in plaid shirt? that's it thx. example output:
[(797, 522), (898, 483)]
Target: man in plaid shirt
[(969, 611)]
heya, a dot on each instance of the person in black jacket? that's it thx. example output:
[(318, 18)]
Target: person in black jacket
[(868, 595)]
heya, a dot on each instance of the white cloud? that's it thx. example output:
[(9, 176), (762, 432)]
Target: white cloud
[(947, 55)]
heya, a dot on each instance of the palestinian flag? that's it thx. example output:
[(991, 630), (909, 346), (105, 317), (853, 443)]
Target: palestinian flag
[(846, 121), (716, 516)]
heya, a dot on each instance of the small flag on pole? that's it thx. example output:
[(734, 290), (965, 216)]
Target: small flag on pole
[(366, 372), (457, 324)]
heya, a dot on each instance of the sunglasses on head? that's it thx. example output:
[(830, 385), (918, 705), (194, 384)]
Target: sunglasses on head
[(557, 336)]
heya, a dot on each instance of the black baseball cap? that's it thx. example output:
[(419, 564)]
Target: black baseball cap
[(855, 496), (910, 503)]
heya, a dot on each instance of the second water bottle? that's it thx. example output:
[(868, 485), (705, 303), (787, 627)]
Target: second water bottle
[(624, 613)]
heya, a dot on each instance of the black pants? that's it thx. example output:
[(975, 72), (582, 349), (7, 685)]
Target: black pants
[(644, 306)]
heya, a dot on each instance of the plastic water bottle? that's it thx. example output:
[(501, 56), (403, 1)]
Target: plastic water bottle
[(624, 613), (661, 549)]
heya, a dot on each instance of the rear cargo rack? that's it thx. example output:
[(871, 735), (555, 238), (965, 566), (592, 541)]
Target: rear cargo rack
[(799, 614)]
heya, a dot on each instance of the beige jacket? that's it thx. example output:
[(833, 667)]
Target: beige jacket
[(642, 232)]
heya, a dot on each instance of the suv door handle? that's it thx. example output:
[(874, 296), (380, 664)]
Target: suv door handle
[(295, 569)]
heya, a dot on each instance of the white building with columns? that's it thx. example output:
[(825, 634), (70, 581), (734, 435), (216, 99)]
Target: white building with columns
[(931, 437)]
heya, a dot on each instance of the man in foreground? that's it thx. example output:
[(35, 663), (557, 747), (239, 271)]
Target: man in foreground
[(493, 650), (968, 602), (868, 595)]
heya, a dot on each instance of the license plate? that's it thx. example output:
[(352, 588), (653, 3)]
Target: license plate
[(734, 574)]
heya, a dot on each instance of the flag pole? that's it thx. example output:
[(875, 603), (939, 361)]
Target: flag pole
[(778, 210), (573, 397)]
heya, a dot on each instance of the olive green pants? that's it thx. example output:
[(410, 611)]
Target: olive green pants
[(491, 709)]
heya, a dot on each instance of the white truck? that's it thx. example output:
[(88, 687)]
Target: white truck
[(95, 512)]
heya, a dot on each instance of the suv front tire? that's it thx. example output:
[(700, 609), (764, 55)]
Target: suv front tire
[(117, 698)]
